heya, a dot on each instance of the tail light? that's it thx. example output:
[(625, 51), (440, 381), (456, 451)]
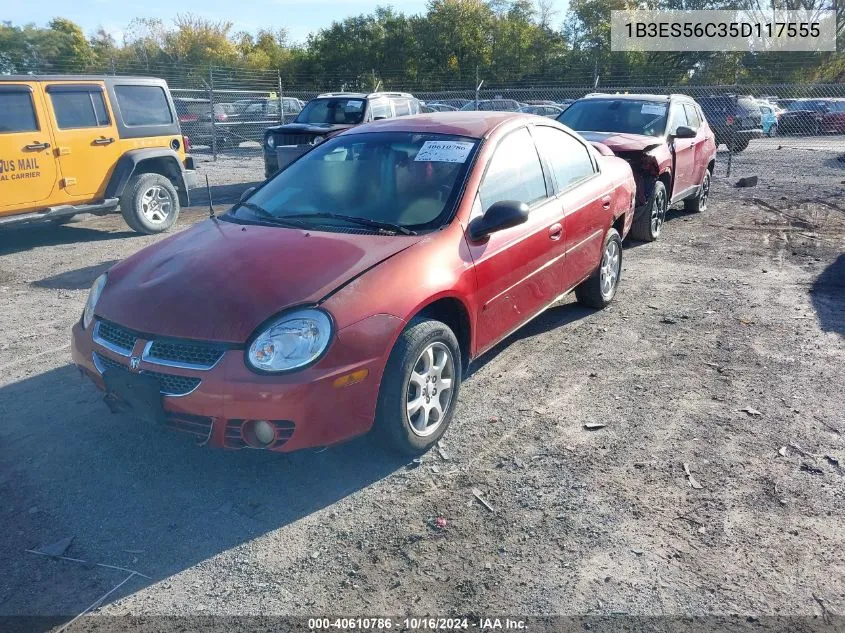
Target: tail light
[(189, 118), (730, 119), (221, 117), (186, 143)]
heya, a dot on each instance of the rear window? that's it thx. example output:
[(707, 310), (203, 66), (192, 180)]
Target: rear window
[(18, 112), (143, 105), (79, 109)]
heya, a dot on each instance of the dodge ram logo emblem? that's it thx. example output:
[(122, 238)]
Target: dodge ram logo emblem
[(134, 363)]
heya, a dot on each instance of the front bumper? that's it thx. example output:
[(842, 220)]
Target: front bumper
[(306, 407), (282, 156)]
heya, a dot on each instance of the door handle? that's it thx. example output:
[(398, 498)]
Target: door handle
[(102, 141), (605, 202), (555, 231), (36, 147)]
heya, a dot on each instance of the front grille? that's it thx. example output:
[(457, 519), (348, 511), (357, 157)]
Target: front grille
[(169, 384), (293, 139), (116, 335), (198, 425), (200, 355)]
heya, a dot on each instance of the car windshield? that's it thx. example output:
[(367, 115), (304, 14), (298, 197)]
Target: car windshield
[(338, 110), (816, 106), (616, 115), (403, 179)]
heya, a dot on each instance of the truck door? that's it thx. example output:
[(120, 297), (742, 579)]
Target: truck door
[(86, 135), (27, 162)]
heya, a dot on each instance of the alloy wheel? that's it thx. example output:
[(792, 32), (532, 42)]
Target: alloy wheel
[(611, 263), (430, 389), (658, 213), (156, 204)]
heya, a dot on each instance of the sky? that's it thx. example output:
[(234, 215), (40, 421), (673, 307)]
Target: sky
[(300, 17)]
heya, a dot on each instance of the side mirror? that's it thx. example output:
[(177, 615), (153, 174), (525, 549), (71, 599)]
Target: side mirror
[(246, 194), (684, 132), (502, 215)]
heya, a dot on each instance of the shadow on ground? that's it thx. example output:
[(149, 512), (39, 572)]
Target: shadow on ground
[(828, 297), (78, 279), (137, 496), (26, 237), (220, 194)]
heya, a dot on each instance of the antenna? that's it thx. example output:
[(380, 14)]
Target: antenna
[(211, 212)]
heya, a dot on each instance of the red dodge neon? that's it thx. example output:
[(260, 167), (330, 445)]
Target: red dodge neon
[(353, 289)]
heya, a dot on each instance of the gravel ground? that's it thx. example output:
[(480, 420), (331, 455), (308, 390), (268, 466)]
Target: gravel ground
[(725, 344)]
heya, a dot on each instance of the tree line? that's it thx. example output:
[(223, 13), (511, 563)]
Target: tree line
[(454, 43)]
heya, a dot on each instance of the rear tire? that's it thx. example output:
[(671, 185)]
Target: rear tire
[(598, 290), (419, 390), (773, 131), (150, 203), (648, 224), (698, 203)]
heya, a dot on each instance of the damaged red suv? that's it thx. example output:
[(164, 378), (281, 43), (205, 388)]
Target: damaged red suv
[(667, 142), (355, 286)]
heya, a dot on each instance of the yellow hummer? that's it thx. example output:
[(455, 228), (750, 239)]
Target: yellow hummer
[(78, 144)]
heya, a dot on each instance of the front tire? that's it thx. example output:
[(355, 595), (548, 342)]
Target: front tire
[(773, 131), (419, 391), (648, 223), (149, 203), (698, 203), (598, 290)]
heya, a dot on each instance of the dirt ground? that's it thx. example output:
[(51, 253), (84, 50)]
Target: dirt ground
[(722, 355)]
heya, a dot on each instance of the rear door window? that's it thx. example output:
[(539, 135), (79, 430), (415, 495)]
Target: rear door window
[(143, 105), (77, 109), (18, 112)]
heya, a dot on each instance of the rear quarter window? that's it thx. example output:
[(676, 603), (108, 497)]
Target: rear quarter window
[(143, 105), (18, 112)]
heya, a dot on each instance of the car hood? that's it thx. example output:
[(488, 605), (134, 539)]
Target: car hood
[(622, 142), (219, 280), (313, 128)]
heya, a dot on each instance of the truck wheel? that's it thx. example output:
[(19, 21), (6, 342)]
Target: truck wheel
[(698, 203), (599, 288), (149, 203), (648, 223), (773, 131), (420, 387)]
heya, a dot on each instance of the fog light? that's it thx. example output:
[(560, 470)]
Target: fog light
[(265, 433)]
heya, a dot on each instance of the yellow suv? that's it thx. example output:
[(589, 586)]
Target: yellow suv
[(75, 144)]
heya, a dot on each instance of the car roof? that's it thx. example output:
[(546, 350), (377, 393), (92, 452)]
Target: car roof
[(112, 78), (472, 123), (638, 97)]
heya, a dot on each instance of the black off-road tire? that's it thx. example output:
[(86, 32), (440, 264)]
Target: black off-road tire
[(643, 228), (133, 199), (392, 424), (592, 292), (698, 203)]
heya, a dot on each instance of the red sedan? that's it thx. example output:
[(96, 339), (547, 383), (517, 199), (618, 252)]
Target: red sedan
[(353, 289)]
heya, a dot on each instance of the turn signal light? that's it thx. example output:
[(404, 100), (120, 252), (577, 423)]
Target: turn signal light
[(351, 379)]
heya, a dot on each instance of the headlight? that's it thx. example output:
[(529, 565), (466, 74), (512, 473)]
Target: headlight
[(290, 342), (271, 141), (93, 298), (317, 140)]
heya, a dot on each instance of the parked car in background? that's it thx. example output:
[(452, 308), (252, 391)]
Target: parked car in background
[(440, 107), (86, 144), (327, 115), (565, 103), (770, 114), (455, 103), (360, 282), (665, 139), (814, 116), (499, 105), (551, 111), (197, 122), (735, 120)]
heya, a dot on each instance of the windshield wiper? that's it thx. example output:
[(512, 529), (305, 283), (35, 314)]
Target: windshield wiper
[(375, 224), (264, 213)]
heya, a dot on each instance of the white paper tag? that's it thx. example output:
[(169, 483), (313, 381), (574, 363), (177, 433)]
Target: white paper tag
[(653, 108), (444, 151), (356, 105)]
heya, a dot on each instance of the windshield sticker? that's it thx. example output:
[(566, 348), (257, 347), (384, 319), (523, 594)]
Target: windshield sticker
[(651, 108), (444, 151), (354, 104)]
